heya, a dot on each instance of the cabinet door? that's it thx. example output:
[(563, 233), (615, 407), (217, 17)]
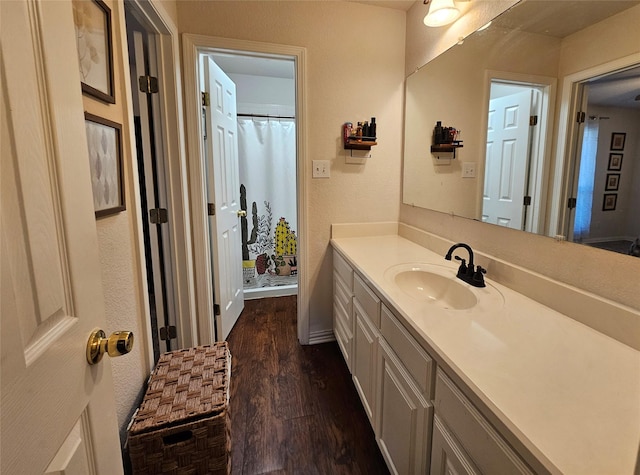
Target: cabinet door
[(447, 458), (365, 342), (403, 422)]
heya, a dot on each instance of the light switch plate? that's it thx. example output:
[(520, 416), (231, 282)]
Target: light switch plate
[(321, 168), (468, 169)]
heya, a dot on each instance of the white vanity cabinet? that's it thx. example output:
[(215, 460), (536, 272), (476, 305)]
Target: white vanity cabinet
[(463, 440), (391, 372), (343, 307)]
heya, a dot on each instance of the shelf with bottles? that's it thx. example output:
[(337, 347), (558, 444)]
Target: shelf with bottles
[(361, 137), (445, 140)]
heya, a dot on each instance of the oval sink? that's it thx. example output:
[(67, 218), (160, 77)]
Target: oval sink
[(445, 291)]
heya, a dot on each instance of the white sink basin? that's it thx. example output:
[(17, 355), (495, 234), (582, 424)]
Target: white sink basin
[(439, 286)]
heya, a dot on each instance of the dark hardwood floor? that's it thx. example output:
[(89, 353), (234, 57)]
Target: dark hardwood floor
[(294, 409)]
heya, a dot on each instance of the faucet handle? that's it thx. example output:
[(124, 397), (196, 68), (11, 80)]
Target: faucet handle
[(462, 270), (478, 279)]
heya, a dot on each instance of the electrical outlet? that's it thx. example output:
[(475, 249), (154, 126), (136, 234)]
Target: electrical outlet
[(468, 169), (321, 168)]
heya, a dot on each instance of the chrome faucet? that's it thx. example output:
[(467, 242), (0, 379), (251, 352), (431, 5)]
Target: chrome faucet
[(468, 273)]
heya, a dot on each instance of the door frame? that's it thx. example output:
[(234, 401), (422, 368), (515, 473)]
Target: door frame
[(541, 145), (192, 47), (568, 130), (169, 121)]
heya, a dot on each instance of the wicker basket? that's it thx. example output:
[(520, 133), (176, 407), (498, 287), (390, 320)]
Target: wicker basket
[(182, 426)]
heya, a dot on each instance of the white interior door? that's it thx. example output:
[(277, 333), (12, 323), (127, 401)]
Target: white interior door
[(223, 192), (58, 413), (507, 160)]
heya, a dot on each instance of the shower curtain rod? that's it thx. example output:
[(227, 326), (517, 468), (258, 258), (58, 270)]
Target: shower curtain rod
[(262, 116)]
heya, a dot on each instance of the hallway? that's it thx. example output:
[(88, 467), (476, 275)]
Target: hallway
[(294, 409)]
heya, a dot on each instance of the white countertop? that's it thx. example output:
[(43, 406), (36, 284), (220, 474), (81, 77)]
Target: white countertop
[(565, 390)]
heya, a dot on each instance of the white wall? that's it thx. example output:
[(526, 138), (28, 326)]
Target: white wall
[(611, 275), (264, 95), (355, 70)]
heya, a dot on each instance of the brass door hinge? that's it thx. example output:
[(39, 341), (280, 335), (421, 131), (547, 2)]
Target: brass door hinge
[(533, 120), (206, 99)]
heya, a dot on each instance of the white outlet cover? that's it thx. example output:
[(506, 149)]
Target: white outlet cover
[(468, 169)]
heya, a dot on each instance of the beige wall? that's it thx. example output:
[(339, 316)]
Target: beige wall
[(355, 70), (611, 275), (118, 243)]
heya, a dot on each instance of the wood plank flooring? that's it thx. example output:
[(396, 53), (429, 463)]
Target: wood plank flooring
[(294, 409)]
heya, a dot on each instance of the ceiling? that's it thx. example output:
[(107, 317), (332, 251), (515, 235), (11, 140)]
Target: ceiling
[(395, 4)]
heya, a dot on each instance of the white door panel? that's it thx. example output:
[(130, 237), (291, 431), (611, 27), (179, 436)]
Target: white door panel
[(53, 402), (507, 160), (223, 190)]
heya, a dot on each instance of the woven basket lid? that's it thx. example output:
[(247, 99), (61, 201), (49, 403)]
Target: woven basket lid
[(185, 385)]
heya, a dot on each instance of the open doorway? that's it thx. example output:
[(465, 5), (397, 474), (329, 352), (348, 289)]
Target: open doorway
[(517, 124), (606, 184), (265, 98), (210, 282)]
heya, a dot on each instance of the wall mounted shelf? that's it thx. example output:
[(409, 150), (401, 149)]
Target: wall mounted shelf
[(445, 148)]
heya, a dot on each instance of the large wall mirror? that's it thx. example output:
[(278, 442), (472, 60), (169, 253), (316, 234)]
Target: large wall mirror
[(546, 102)]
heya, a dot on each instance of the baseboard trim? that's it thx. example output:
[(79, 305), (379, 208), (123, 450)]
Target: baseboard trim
[(321, 336)]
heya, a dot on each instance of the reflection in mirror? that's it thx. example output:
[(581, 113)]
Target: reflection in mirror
[(523, 162)]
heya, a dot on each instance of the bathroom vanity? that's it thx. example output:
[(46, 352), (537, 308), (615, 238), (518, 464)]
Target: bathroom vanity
[(460, 379)]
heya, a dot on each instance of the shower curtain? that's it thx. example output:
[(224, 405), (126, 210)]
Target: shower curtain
[(267, 159), (586, 176)]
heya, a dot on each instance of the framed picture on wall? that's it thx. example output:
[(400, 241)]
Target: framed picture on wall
[(617, 140), (615, 162), (92, 19), (105, 161), (613, 182), (609, 201)]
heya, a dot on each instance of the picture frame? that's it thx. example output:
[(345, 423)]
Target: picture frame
[(617, 140), (609, 201), (104, 142), (613, 182), (92, 20), (615, 162)]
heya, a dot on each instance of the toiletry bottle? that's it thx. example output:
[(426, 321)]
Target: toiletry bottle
[(372, 128), (365, 130), (347, 131), (437, 133), (359, 132)]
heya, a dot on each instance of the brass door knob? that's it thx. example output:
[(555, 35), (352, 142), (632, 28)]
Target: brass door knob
[(118, 343)]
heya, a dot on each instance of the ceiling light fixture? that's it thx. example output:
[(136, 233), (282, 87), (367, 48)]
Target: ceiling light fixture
[(441, 12)]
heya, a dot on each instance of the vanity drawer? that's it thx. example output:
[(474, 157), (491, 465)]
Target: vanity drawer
[(488, 449), (369, 301), (416, 361), (344, 270)]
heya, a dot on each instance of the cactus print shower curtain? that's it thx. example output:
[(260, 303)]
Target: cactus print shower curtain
[(267, 158)]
